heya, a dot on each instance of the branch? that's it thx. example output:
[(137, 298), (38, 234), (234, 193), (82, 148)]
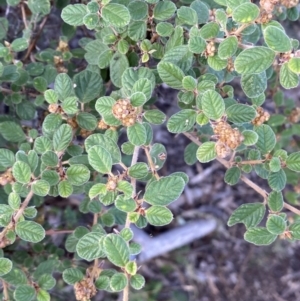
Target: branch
[(247, 181)]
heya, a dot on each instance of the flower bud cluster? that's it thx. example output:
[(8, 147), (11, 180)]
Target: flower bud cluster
[(294, 116), (85, 289), (289, 3), (228, 138), (261, 116), (210, 49), (6, 177), (125, 112)]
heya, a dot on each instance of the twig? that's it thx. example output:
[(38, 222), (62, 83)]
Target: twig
[(24, 16), (54, 232), (151, 164), (36, 37), (291, 208), (18, 215), (5, 291)]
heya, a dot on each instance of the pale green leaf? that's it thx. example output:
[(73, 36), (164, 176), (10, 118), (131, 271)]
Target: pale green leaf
[(249, 214), (159, 215), (164, 191), (259, 236), (254, 60), (30, 231)]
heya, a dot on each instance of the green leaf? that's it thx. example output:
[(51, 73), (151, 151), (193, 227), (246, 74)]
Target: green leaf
[(240, 113), (72, 275), (277, 39), (216, 63), (11, 131), (250, 137), (254, 60), (138, 170), (124, 204), (137, 134), (137, 30), (46, 282), (86, 121), (107, 143), (275, 164), (127, 234), (43, 295), (65, 189), (170, 74), (118, 282), (182, 121), (88, 85), (294, 64), (21, 172), (40, 187), (209, 30), (266, 138), (164, 29), (228, 47), (41, 7), (277, 180), (275, 201), (91, 20), (213, 105), (138, 10), (187, 15), (143, 85), (40, 84), (116, 250), (50, 159), (116, 14), (232, 175), (249, 214), (259, 236), (7, 158), (287, 78), (24, 293), (42, 144), (206, 152), (245, 13), (51, 177), (196, 44), (70, 105), (5, 266), (276, 224), (118, 64), (30, 231), (89, 246), (102, 282), (202, 11), (100, 159), (164, 191), (254, 84), (131, 267), (189, 83), (155, 116), (78, 174), (164, 10), (51, 124), (14, 200), (62, 138), (159, 216), (137, 281), (295, 230), (51, 96), (292, 162), (137, 99), (63, 86)]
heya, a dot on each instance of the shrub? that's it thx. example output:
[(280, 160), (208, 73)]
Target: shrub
[(89, 96)]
